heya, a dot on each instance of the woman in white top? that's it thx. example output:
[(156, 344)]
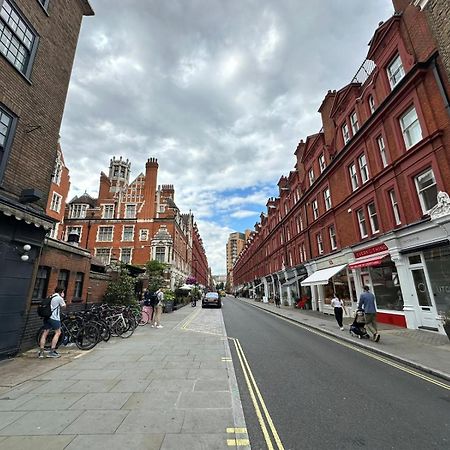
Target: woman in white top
[(339, 308)]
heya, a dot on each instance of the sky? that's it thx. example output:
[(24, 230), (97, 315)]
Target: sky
[(219, 91)]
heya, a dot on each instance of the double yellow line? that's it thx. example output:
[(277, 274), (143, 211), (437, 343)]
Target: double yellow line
[(265, 421)]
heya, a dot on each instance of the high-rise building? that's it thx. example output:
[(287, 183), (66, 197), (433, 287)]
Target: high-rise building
[(235, 244)]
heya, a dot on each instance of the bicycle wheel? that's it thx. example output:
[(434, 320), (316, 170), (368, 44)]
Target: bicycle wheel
[(144, 319), (87, 337), (127, 329), (48, 341)]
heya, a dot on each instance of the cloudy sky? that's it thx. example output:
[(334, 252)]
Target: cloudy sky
[(220, 91)]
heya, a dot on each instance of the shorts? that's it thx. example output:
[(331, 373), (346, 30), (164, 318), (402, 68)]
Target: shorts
[(52, 324)]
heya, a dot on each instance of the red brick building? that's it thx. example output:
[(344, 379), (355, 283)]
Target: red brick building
[(362, 205), (134, 222), (37, 49), (199, 261)]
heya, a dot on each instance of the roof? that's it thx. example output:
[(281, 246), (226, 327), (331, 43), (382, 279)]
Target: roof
[(87, 9), (84, 199)]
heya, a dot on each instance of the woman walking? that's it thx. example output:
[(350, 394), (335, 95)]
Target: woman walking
[(339, 309)]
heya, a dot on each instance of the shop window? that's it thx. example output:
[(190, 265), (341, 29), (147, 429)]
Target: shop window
[(395, 71), (41, 283), (63, 280), (386, 286), (79, 279), (412, 133), (426, 190)]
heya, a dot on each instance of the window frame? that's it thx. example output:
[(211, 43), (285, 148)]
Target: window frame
[(345, 132), (59, 203), (311, 176), (44, 4), (382, 150), (327, 199), (333, 238), (78, 287), (108, 206), (57, 171), (354, 181), (63, 283), (361, 218), (395, 208), (130, 249), (363, 168), (319, 242), (127, 216), (100, 231), (371, 103), (322, 162), (41, 283), (5, 149), (81, 214), (28, 65), (419, 191), (315, 209), (158, 247), (393, 81), (373, 218), (68, 229), (354, 122), (406, 130), (141, 232), (100, 257), (123, 233)]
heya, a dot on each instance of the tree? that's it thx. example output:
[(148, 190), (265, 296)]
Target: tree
[(121, 290), (155, 273)]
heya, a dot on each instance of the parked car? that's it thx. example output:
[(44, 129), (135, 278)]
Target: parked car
[(211, 298)]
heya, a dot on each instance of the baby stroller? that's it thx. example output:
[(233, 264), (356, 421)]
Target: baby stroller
[(357, 327)]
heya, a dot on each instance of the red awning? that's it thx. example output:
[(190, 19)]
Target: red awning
[(368, 261)]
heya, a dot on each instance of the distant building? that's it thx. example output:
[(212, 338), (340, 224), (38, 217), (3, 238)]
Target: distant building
[(37, 48), (235, 244)]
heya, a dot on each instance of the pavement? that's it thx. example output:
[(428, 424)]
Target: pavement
[(424, 350), (165, 389)]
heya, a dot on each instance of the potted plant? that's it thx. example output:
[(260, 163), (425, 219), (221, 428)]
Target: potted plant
[(445, 319)]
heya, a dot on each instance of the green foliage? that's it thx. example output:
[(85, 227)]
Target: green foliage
[(196, 293), (121, 291), (155, 273), (169, 295), (220, 286)]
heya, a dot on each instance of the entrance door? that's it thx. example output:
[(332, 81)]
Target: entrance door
[(427, 311)]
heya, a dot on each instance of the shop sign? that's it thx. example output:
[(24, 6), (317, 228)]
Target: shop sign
[(371, 251)]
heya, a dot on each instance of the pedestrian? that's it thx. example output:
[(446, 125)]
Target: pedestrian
[(53, 323), (367, 303), (158, 309), (277, 301), (339, 309)]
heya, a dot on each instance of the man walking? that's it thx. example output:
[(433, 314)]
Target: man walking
[(158, 309), (53, 323), (367, 303)]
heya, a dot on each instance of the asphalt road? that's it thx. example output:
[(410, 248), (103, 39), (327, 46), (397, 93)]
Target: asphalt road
[(322, 395)]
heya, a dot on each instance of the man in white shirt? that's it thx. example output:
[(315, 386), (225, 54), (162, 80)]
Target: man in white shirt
[(53, 323), (158, 309)]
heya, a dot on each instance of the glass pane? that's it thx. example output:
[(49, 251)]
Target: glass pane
[(415, 259), (420, 284), (430, 197)]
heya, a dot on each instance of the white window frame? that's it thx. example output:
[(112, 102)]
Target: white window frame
[(123, 233), (363, 168), (319, 243), (108, 207), (362, 223), (410, 128), (371, 102), (131, 255), (382, 149), (75, 228), (56, 202), (420, 191), (311, 176), (353, 176), (54, 230), (156, 253), (373, 218), (354, 122), (345, 132), (103, 250), (78, 211), (322, 163), (127, 214), (315, 209), (99, 232), (395, 208), (395, 71), (57, 171), (327, 198), (332, 234), (142, 232)]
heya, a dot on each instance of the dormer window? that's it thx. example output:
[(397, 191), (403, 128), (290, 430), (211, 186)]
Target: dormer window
[(345, 133), (354, 122), (395, 71)]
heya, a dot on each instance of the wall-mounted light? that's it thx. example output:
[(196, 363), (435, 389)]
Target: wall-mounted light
[(24, 252)]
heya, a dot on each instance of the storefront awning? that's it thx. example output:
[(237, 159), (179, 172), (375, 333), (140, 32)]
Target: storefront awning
[(368, 261), (322, 276)]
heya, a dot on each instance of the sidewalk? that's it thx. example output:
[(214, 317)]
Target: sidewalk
[(424, 350), (164, 389)]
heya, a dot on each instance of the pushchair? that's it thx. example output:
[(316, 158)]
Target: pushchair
[(357, 328)]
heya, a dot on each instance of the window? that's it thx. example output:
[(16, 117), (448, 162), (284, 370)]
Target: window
[(319, 243), (395, 209), (412, 133), (327, 198), (311, 176), (160, 254), (395, 71), (105, 234), (354, 122), (56, 178), (322, 163), (41, 284), (345, 133), (362, 223), (315, 209), (371, 102), (17, 38), (44, 3), (353, 177), (427, 190), (77, 211), (73, 230), (373, 218), (130, 211), (382, 150), (333, 242), (6, 124), (79, 278), (56, 202), (103, 254), (363, 169), (54, 231), (108, 212), (128, 233), (143, 235), (302, 251), (125, 255), (63, 280)]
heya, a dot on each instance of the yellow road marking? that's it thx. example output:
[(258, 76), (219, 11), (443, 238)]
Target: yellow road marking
[(238, 442), (237, 430), (380, 358), (190, 319)]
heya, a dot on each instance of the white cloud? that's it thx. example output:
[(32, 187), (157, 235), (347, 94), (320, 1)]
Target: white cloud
[(244, 213)]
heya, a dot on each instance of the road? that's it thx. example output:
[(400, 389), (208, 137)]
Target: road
[(323, 395)]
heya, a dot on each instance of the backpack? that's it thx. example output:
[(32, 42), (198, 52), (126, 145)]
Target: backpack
[(153, 299), (44, 309)]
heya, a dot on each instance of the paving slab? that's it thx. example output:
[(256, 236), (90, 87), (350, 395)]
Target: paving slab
[(196, 442), (131, 385), (207, 421), (36, 442), (50, 402), (8, 417), (153, 421), (204, 400), (152, 400), (102, 401), (162, 385), (97, 422), (91, 386), (118, 442)]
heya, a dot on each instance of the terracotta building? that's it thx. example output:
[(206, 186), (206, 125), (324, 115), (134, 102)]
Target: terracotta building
[(199, 260), (235, 244), (134, 222), (367, 203), (37, 49)]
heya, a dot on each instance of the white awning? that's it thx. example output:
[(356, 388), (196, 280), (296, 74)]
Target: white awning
[(290, 282), (322, 276)]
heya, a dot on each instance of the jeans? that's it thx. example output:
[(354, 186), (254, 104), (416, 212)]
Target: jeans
[(338, 313)]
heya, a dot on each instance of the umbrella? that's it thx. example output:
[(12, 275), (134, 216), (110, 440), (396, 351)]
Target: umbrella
[(186, 287)]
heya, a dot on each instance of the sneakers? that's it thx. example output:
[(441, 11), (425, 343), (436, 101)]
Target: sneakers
[(53, 354), (377, 338), (41, 354), (153, 326), (342, 328), (159, 326)]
